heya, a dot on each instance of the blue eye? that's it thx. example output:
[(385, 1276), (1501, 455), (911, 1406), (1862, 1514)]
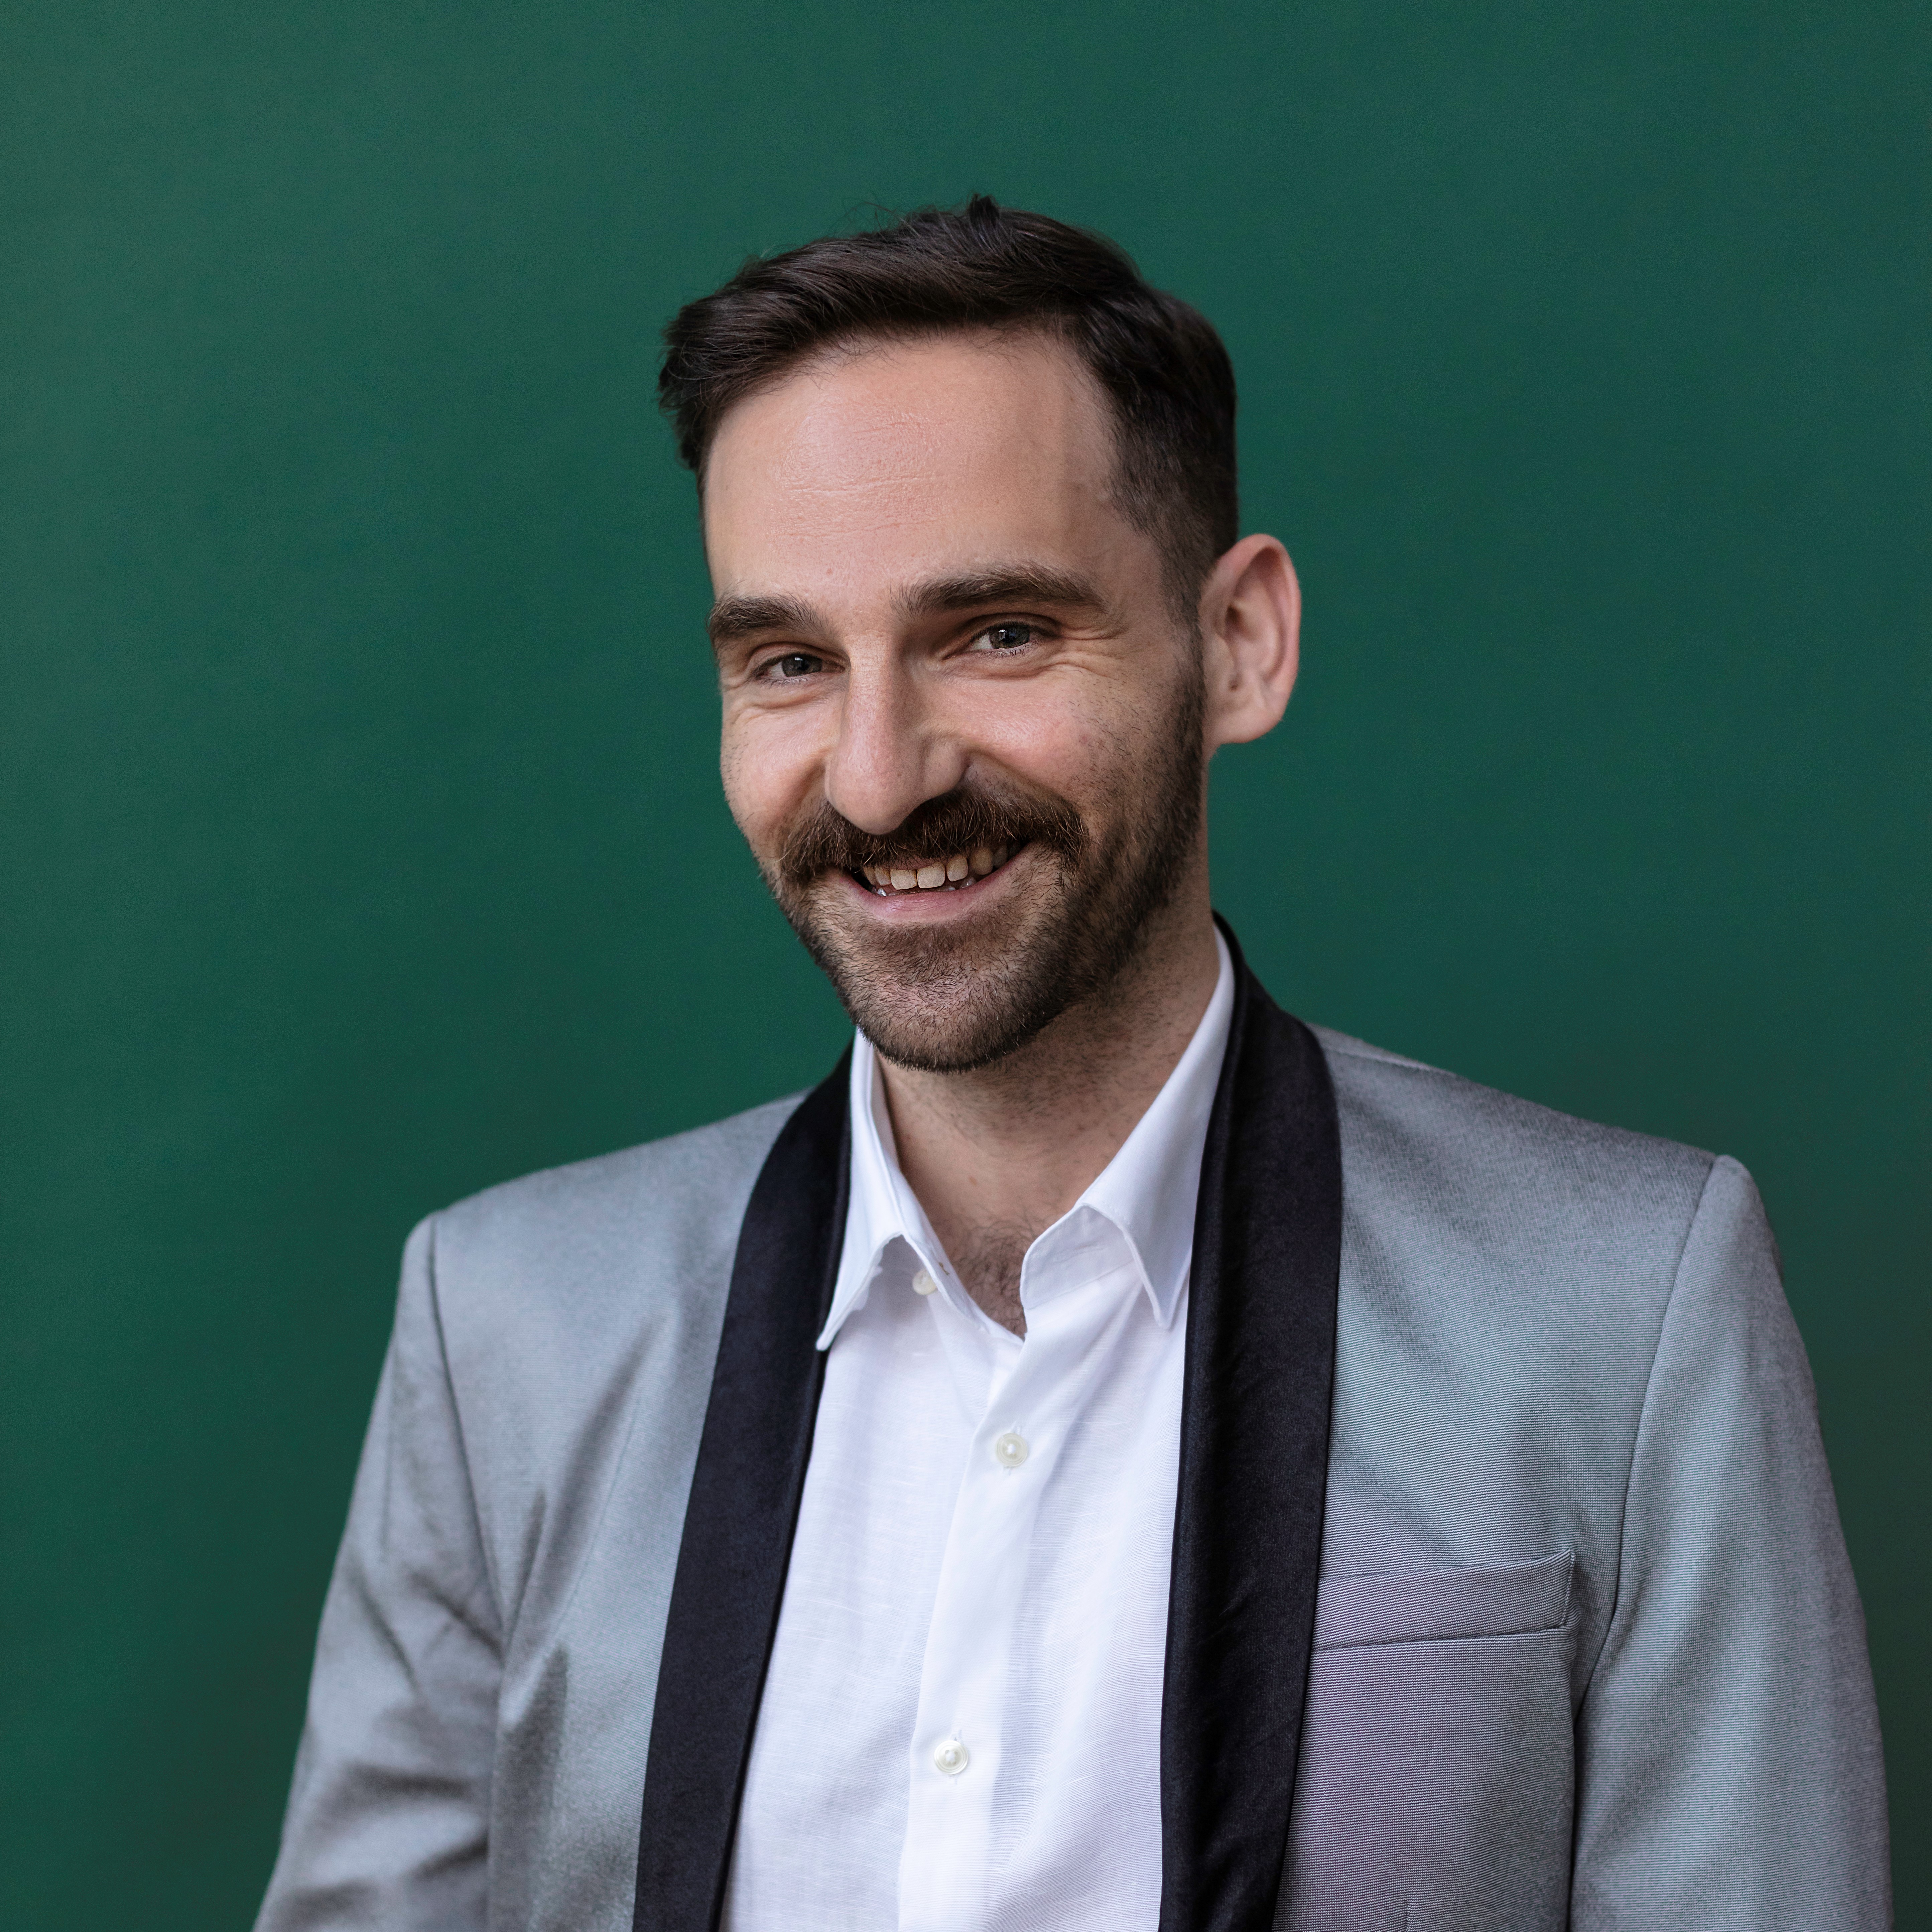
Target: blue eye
[(1007, 636)]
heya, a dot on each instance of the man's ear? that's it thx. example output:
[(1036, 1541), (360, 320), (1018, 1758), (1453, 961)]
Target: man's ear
[(1251, 634)]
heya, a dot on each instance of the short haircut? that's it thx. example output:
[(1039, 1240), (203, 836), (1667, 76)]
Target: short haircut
[(940, 270)]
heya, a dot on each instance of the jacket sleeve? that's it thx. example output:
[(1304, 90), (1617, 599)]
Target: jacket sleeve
[(388, 1820), (1730, 1769)]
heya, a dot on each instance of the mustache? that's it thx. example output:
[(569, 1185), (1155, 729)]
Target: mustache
[(960, 820)]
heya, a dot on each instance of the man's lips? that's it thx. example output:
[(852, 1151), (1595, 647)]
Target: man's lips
[(951, 874)]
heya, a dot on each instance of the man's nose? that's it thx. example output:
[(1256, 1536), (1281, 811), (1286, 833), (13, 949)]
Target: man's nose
[(892, 753)]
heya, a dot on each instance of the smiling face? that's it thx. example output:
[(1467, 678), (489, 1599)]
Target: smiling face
[(963, 726)]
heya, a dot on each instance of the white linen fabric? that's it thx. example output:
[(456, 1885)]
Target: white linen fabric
[(961, 1725)]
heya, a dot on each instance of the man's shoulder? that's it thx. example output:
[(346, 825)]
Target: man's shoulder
[(657, 1219), (1401, 1111), (1491, 1187), (572, 1317), (681, 1173)]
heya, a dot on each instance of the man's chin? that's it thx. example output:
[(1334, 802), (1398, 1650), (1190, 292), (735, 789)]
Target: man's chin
[(945, 1024), (945, 999), (945, 1043)]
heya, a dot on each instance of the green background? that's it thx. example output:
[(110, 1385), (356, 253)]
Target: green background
[(361, 843)]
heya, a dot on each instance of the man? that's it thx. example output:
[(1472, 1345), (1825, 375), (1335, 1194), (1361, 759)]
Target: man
[(1111, 1455)]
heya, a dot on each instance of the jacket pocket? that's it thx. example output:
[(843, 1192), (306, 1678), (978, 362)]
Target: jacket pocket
[(1437, 1772), (1441, 1605)]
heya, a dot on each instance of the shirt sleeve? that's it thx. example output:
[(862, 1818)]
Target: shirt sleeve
[(1730, 1774), (388, 1823)]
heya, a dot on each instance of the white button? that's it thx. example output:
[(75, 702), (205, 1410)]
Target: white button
[(952, 1757), (922, 1283), (1010, 1450)]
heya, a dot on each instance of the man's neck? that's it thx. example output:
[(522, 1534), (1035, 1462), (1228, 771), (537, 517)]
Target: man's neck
[(998, 1155)]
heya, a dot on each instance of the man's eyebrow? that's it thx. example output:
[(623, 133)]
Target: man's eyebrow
[(1017, 583), (734, 619)]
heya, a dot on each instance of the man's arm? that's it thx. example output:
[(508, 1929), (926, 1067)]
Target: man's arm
[(1729, 1768), (388, 1823)]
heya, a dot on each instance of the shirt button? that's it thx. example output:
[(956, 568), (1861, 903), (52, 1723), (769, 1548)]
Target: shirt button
[(952, 1757), (922, 1283), (1010, 1450)]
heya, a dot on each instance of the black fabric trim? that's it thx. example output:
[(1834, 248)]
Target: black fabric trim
[(1254, 1471), (743, 1512)]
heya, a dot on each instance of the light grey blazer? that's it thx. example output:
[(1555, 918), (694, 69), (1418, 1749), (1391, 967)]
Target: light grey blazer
[(1586, 1649)]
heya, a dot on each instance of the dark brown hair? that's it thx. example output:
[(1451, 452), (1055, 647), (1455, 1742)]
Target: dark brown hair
[(982, 266)]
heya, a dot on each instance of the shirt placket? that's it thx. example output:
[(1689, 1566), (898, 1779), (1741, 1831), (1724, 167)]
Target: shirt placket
[(1087, 1288)]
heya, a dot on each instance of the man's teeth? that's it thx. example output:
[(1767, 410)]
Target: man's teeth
[(937, 872)]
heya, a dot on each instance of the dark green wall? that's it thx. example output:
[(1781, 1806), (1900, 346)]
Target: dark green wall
[(361, 843)]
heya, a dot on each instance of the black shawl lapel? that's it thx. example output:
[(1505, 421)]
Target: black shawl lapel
[(1254, 1469), (738, 1524)]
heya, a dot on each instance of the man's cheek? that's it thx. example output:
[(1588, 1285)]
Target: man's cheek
[(746, 778), (760, 827)]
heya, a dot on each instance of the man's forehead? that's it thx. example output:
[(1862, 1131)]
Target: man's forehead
[(894, 413), (912, 462)]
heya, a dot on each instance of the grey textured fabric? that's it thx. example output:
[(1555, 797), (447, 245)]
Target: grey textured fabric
[(1588, 1651)]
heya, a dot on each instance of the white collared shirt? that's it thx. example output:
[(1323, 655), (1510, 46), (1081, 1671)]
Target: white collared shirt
[(961, 1725)]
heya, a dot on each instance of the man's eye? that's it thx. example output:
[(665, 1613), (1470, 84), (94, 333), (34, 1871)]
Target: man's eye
[(1005, 636), (794, 664)]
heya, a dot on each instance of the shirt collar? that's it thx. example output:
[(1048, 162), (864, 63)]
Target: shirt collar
[(1148, 1190)]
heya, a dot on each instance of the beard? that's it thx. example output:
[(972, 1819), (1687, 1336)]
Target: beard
[(952, 998)]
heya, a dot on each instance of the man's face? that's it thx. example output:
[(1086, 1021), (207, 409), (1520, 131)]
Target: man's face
[(962, 724)]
